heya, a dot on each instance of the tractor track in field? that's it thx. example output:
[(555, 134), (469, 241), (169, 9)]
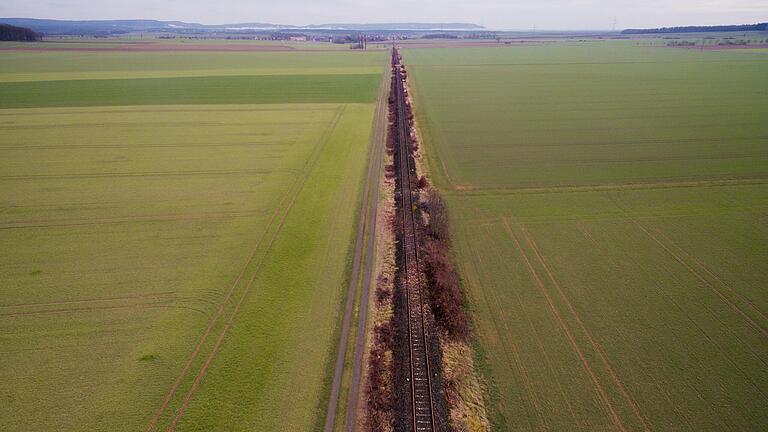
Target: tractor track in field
[(567, 332), (281, 212), (697, 274), (203, 216), (93, 300), (135, 174), (695, 323), (469, 190), (493, 301), (708, 271), (166, 300), (103, 308), (592, 341)]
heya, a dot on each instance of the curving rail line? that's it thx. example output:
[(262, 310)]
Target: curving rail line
[(423, 413)]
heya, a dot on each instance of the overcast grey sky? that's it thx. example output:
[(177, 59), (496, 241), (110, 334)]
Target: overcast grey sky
[(497, 14)]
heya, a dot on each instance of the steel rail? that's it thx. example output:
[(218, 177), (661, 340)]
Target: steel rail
[(422, 403)]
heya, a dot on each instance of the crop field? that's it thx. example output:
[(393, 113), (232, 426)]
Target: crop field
[(754, 50), (74, 65), (610, 215), (135, 43), (175, 248)]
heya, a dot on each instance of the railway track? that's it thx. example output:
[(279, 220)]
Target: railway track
[(420, 373)]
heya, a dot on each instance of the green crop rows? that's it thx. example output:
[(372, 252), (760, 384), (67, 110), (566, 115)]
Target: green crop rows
[(149, 225), (609, 208)]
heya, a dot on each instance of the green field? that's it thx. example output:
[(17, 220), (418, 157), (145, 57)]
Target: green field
[(753, 50), (121, 41), (151, 223), (75, 65), (610, 211), (265, 89)]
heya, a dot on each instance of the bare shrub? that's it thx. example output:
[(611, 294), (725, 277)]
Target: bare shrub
[(445, 294), (439, 225), (382, 292), (378, 393)]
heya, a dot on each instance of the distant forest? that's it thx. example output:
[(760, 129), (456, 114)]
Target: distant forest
[(18, 34), (701, 29)]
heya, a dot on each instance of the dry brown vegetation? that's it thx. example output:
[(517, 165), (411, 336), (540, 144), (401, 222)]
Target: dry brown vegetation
[(379, 385), (463, 389), (379, 414), (444, 288), (443, 281)]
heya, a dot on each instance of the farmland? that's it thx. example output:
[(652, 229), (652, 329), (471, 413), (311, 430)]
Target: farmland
[(610, 216), (177, 230)]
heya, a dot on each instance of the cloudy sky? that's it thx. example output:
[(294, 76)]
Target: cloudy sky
[(497, 14)]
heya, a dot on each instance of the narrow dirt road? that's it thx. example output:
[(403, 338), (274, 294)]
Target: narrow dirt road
[(366, 224)]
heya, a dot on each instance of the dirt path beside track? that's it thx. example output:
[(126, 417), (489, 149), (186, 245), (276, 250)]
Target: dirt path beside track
[(366, 224)]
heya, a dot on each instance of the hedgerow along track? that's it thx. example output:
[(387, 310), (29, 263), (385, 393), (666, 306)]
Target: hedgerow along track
[(420, 370)]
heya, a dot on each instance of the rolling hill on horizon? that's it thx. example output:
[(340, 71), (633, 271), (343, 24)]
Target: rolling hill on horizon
[(94, 27)]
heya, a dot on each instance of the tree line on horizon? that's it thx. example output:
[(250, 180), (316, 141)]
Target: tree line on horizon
[(701, 29), (17, 34)]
